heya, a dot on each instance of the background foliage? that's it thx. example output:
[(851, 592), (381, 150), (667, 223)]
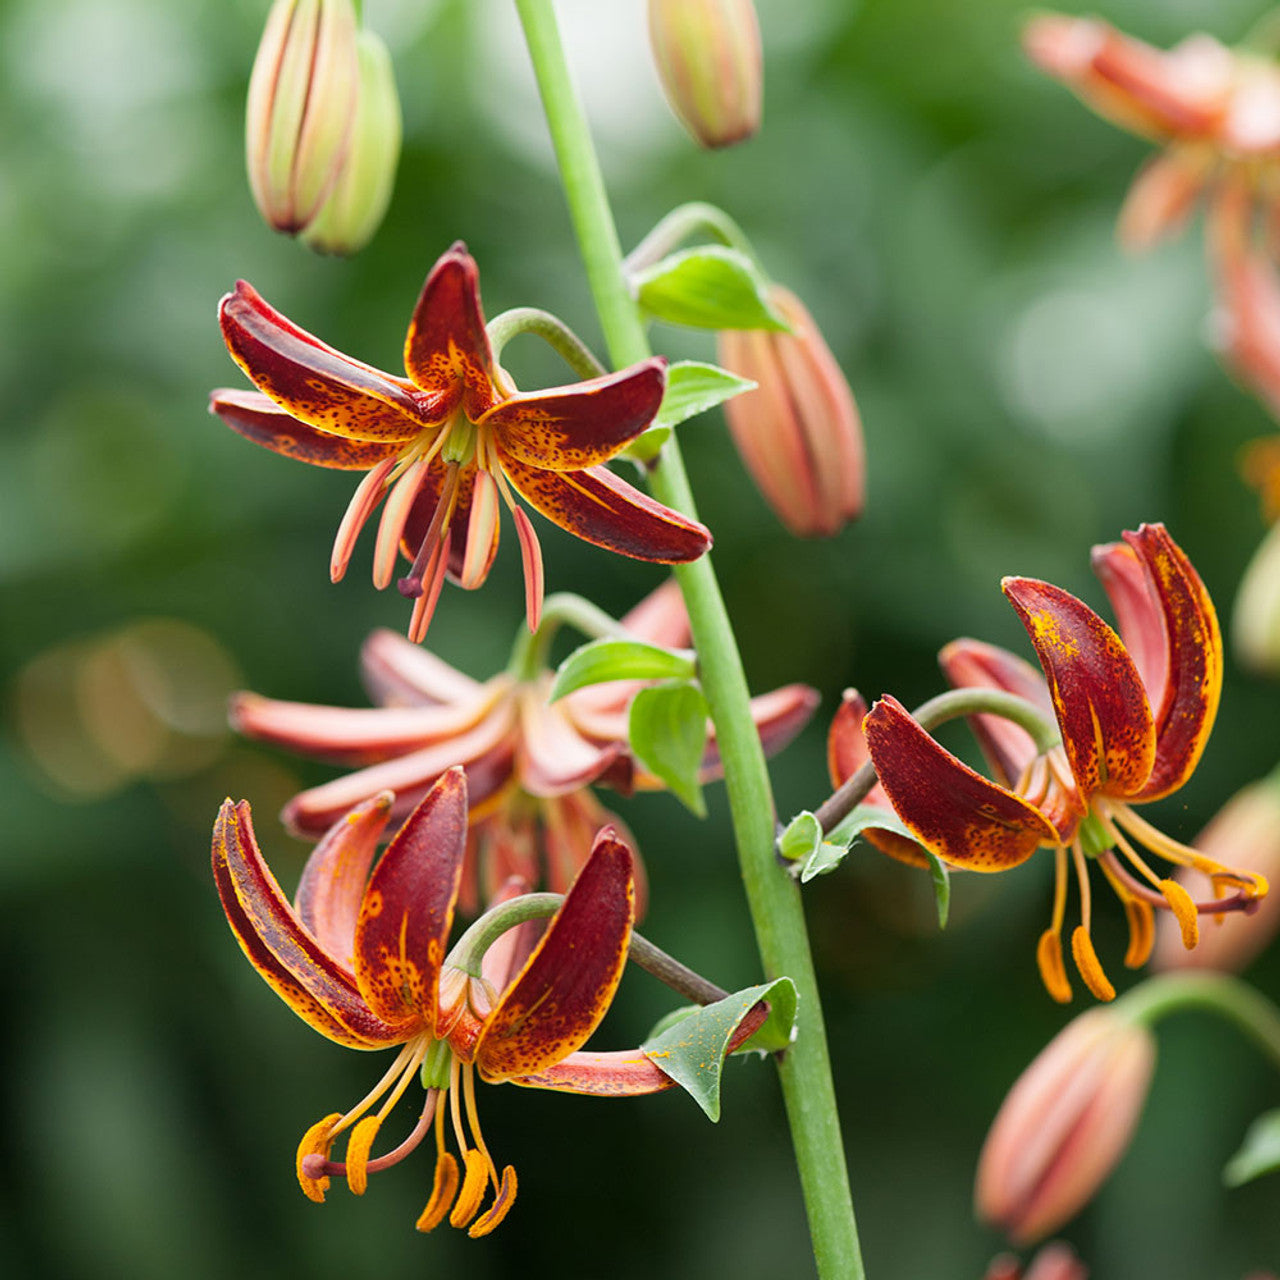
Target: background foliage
[(1027, 391)]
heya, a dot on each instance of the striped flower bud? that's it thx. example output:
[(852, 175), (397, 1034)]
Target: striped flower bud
[(709, 62)]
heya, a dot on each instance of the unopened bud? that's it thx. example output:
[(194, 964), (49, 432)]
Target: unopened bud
[(1246, 831), (1064, 1125), (1256, 616), (356, 205), (709, 62), (302, 103), (798, 432)]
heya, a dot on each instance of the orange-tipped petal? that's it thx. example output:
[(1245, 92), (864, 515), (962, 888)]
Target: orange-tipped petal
[(317, 1141), (1098, 696), (332, 884), (501, 1206), (311, 981), (603, 509), (359, 1145), (260, 419), (963, 817), (1185, 714), (1053, 972), (1184, 911), (443, 1188), (1088, 964), (447, 348), (408, 907), (568, 983), (312, 381)]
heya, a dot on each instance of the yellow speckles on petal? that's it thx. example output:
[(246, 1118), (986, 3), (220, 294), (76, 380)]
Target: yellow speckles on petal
[(317, 1141), (372, 903), (1053, 972), (474, 1182), (1088, 964), (1184, 911), (443, 1189), (500, 1207), (358, 1147)]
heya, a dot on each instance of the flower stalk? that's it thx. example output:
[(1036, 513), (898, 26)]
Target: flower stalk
[(773, 898)]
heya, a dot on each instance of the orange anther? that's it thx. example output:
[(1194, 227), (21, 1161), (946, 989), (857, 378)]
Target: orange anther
[(317, 1141), (443, 1190), (1184, 911), (500, 1207), (358, 1147), (473, 1185), (1053, 972), (1089, 966)]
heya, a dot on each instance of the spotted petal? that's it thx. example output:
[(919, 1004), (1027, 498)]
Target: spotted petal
[(603, 509), (408, 907), (571, 428), (1098, 696), (964, 818), (307, 977), (567, 985), (313, 382), (260, 419), (1185, 714)]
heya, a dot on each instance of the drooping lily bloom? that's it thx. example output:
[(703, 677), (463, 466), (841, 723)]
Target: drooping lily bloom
[(452, 442), (1134, 711), (529, 763), (360, 956), (1216, 112)]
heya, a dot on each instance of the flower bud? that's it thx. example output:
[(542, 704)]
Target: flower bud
[(798, 432), (709, 62), (1056, 1261), (1065, 1124), (1247, 827), (1256, 617), (302, 103), (356, 205)]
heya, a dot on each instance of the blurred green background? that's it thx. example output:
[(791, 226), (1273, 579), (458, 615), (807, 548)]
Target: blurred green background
[(1027, 390)]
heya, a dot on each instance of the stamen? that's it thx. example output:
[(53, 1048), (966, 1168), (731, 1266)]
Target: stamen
[(1185, 855), (1184, 911), (395, 513), (316, 1166), (396, 1068), (358, 1147), (1244, 900), (482, 532), (530, 551), (412, 583), (473, 1119), (1053, 972), (358, 511), (425, 608), (1138, 861), (473, 1185), (443, 1189), (1139, 915), (317, 1141), (500, 1207), (1082, 877), (1088, 964)]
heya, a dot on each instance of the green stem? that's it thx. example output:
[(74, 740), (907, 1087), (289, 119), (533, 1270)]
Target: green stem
[(529, 654), (773, 898), (1218, 993), (687, 220), (552, 330)]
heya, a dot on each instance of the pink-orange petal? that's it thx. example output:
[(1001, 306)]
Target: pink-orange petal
[(961, 816), (1185, 715), (310, 980), (567, 985), (571, 428), (447, 348), (312, 381), (396, 672), (555, 758), (603, 509), (1098, 696), (260, 419), (779, 716), (333, 880), (1139, 616), (408, 907)]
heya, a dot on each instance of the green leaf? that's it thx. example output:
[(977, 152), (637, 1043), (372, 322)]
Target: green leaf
[(616, 658), (1258, 1154), (802, 836), (824, 858), (708, 288), (693, 388), (647, 445), (692, 1051), (668, 733)]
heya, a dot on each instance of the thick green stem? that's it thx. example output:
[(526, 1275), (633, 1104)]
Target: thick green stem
[(552, 330), (529, 654), (773, 898), (696, 218)]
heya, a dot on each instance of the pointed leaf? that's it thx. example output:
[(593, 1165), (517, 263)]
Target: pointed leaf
[(613, 658), (694, 387), (1258, 1154), (712, 287), (801, 838), (667, 729), (693, 1050)]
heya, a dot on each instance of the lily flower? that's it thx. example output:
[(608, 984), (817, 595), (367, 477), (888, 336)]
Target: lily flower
[(529, 763), (360, 957), (451, 443), (1134, 711)]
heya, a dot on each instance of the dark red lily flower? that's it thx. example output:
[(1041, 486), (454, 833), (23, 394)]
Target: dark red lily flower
[(1134, 711), (452, 442), (529, 763), (360, 956)]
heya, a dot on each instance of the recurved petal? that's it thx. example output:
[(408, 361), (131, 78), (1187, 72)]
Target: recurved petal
[(1185, 714), (963, 817), (555, 758), (1139, 616), (970, 664), (779, 714), (407, 911), (603, 509), (568, 983), (570, 428), (332, 884), (313, 382), (398, 672), (447, 348), (308, 978), (1098, 696), (260, 419)]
